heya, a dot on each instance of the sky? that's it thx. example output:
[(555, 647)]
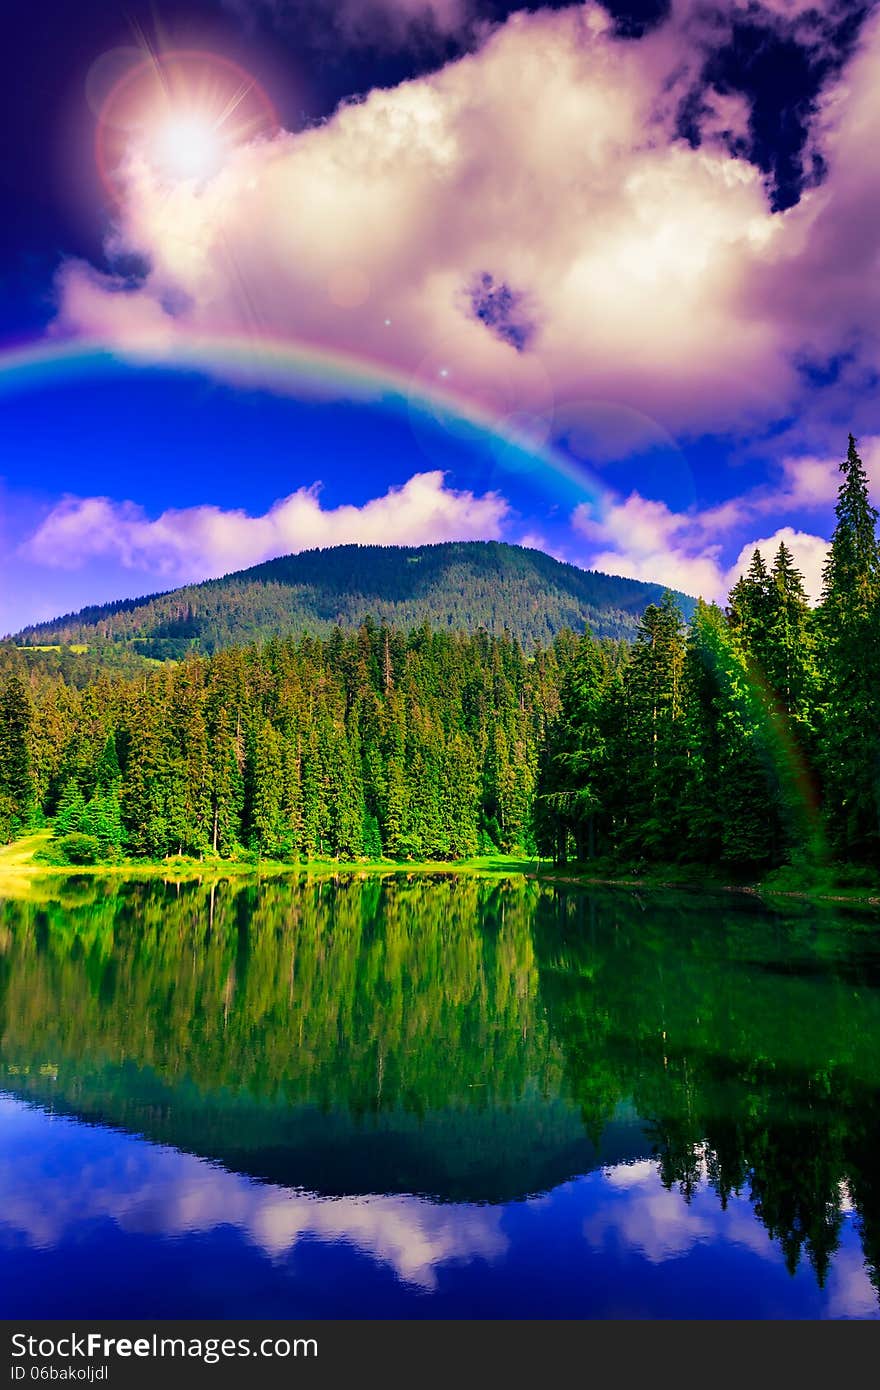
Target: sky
[(276, 274)]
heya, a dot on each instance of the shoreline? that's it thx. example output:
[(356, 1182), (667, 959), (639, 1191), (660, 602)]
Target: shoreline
[(19, 869)]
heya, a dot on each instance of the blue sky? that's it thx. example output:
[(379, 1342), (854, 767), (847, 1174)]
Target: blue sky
[(641, 239)]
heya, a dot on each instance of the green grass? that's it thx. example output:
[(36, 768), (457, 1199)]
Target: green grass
[(17, 863), (78, 648)]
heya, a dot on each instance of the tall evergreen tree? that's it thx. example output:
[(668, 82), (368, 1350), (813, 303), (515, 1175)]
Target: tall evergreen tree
[(17, 789), (107, 771), (790, 647), (652, 752), (850, 636), (267, 818), (71, 812), (750, 605), (227, 786), (571, 788)]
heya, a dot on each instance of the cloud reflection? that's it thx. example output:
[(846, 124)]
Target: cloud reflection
[(52, 1182), (619, 1224)]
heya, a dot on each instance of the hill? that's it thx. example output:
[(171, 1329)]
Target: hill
[(460, 584)]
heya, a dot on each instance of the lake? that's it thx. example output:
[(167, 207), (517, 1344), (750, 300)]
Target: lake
[(441, 1096)]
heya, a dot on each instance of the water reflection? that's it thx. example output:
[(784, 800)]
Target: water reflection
[(57, 1176), (590, 1247), (499, 1097)]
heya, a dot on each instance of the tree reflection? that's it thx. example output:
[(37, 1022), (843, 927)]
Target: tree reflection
[(463, 1037)]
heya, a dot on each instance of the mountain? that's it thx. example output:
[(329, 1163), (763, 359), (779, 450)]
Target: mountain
[(459, 584)]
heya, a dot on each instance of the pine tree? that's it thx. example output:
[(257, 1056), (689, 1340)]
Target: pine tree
[(459, 797), (652, 756), (145, 791), (572, 790), (749, 607), (102, 818), (850, 638), (107, 771), (17, 790), (291, 798), (267, 819), (751, 833), (347, 795), (70, 814), (774, 703), (790, 646), (703, 798), (310, 775), (394, 809), (226, 787)]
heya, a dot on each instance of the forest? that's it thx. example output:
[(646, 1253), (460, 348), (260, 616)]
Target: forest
[(748, 737)]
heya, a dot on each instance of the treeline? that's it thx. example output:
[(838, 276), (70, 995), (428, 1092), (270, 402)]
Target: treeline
[(751, 738), (360, 745)]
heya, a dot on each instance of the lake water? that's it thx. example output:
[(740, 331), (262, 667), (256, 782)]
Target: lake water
[(435, 1097)]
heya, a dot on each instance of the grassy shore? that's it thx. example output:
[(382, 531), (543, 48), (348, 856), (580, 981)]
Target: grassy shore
[(19, 869), (18, 863)]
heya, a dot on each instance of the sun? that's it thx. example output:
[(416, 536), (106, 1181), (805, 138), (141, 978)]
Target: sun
[(183, 113), (187, 146)]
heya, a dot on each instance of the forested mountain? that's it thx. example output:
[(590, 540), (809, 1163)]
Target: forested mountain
[(460, 585)]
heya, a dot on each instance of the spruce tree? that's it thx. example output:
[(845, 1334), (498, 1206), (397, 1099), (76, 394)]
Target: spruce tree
[(227, 787), (653, 750), (749, 606), (703, 800), (267, 819), (70, 814), (107, 772), (850, 639), (145, 790), (790, 647), (571, 790), (17, 791)]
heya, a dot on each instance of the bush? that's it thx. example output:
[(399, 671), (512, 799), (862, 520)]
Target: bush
[(77, 848)]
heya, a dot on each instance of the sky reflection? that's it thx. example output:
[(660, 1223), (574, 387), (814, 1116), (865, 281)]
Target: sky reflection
[(89, 1199)]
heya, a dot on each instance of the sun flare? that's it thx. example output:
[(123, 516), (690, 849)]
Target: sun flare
[(187, 147), (183, 112)]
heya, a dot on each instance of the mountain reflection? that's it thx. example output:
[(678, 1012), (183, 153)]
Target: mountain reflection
[(157, 1191), (431, 1052)]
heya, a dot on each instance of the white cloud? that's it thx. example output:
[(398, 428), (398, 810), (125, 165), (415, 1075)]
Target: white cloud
[(810, 553), (810, 482), (642, 538), (649, 280), (644, 273), (629, 255), (656, 1222), (198, 542), (145, 1188)]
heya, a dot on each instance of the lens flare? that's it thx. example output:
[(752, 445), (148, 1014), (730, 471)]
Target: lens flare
[(182, 113)]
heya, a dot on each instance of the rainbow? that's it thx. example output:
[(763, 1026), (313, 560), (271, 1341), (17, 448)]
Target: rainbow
[(292, 367)]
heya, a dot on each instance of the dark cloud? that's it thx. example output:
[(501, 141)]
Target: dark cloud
[(501, 309)]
